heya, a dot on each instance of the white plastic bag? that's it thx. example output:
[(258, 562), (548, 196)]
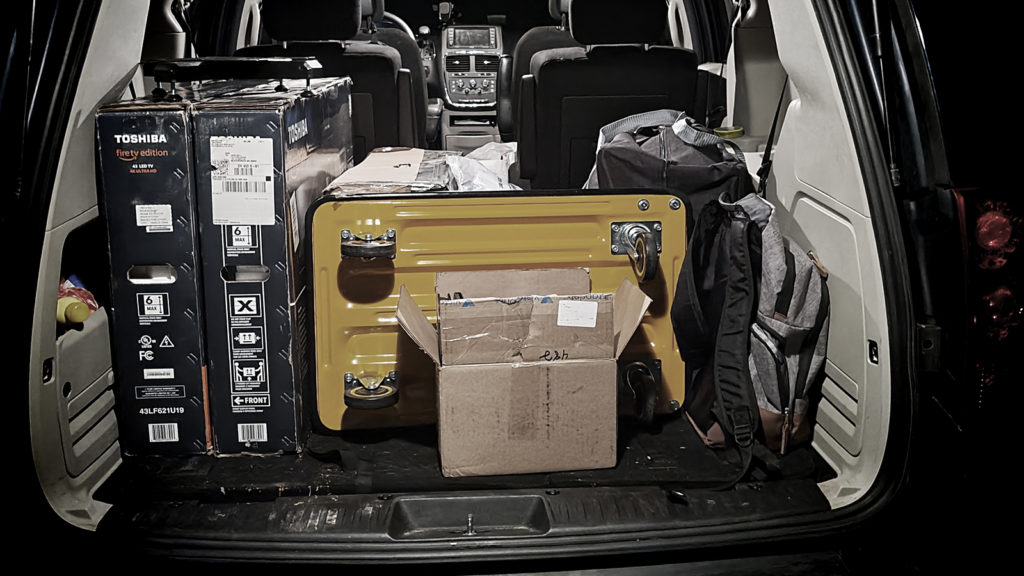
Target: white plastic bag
[(496, 156), (485, 168)]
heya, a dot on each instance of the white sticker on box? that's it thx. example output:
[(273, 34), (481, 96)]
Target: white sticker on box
[(293, 209), (158, 374), (163, 432), (252, 432), (242, 180), (154, 217), (577, 313)]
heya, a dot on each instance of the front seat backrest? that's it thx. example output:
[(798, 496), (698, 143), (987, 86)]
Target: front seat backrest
[(412, 60), (536, 40), (571, 93), (382, 108)]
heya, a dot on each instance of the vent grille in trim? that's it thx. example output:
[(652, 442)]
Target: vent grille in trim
[(486, 63), (456, 63)]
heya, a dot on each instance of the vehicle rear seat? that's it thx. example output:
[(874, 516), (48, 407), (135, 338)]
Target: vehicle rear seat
[(382, 93), (412, 60), (533, 41), (571, 93)]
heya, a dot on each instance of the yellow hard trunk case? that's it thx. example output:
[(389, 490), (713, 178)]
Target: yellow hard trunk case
[(354, 299)]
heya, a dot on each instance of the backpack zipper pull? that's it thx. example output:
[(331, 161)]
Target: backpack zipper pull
[(787, 429)]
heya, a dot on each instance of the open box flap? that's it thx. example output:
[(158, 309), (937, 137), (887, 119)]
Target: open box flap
[(512, 283), (630, 305), (394, 165), (416, 325)]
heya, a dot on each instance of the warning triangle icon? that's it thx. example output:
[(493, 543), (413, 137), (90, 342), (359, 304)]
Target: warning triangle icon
[(166, 342)]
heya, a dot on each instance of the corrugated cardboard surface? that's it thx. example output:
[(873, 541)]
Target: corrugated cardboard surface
[(506, 416), (256, 325), (524, 329), (147, 190), (511, 283), (521, 418), (394, 169)]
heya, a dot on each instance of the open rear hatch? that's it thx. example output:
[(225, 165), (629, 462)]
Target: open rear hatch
[(380, 494)]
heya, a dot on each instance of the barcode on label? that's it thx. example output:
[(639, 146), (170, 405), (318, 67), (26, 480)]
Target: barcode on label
[(244, 186), (252, 432), (242, 170), (163, 432)]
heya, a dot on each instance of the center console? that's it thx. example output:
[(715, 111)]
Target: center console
[(469, 60), (469, 72)]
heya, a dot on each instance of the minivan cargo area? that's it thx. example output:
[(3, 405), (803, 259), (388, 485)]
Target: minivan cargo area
[(336, 485)]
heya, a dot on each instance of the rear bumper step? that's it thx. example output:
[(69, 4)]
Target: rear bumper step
[(446, 526)]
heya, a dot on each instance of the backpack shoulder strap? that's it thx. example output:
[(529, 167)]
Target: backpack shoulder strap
[(736, 406)]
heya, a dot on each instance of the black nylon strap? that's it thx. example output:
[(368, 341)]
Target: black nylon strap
[(785, 296), (737, 404), (766, 160)]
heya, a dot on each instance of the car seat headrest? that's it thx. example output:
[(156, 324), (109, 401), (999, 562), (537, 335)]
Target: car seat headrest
[(607, 22), (306, 20), (374, 9), (558, 7)]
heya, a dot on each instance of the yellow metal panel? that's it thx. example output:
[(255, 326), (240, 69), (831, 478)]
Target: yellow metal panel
[(355, 300)]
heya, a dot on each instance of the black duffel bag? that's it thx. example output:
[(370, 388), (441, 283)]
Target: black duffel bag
[(667, 149)]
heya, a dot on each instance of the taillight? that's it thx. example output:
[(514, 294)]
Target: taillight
[(994, 234), (992, 229), (1000, 313)]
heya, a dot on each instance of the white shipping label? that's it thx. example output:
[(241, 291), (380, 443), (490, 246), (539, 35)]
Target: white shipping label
[(577, 313), (242, 180), (293, 209), (154, 217)]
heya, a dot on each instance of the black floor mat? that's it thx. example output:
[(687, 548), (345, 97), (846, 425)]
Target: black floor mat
[(406, 460)]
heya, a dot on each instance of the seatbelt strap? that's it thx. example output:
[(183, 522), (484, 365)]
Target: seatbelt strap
[(741, 7), (178, 11), (766, 160)]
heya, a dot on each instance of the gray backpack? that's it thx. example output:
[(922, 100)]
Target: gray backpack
[(789, 336), (751, 317)]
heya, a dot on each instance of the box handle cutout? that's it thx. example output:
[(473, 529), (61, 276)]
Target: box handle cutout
[(152, 274), (245, 273)]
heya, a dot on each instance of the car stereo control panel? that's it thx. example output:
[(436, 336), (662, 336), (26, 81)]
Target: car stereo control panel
[(469, 57)]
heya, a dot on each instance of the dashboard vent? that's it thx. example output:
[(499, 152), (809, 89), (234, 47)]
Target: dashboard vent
[(486, 63), (456, 63)]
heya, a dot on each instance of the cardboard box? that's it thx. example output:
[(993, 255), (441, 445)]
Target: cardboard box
[(147, 194), (393, 169), (262, 157), (145, 151), (530, 384)]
